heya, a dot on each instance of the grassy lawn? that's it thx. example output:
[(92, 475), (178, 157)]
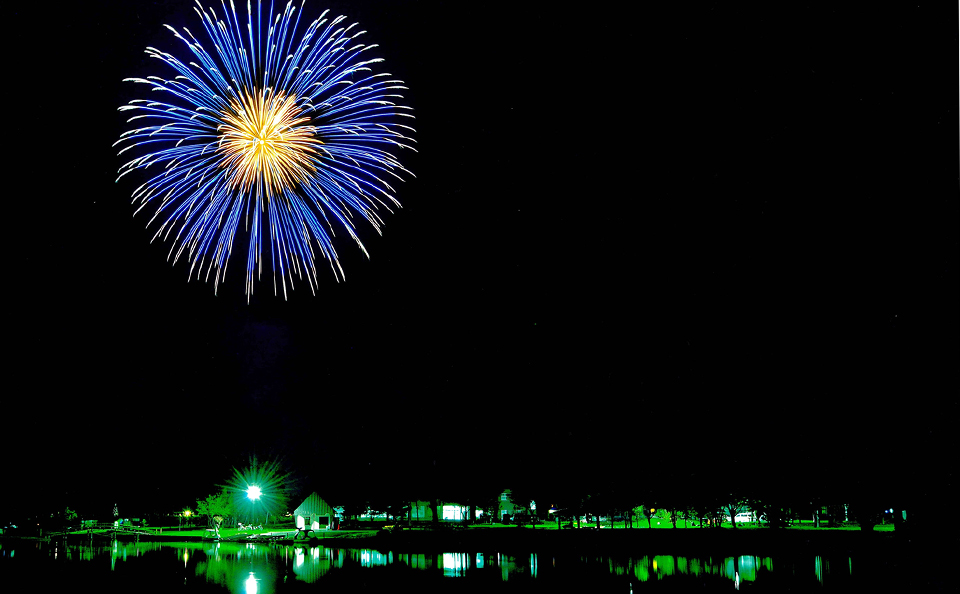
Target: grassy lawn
[(552, 525), (224, 532), (659, 523)]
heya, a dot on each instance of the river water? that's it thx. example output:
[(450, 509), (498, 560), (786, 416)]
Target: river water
[(248, 568)]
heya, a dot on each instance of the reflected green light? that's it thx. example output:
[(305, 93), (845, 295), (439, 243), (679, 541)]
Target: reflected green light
[(250, 586), (664, 565)]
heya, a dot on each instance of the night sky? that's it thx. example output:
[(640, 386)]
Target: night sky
[(687, 237)]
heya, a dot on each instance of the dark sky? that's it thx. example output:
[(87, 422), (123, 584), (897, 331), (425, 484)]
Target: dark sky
[(631, 236)]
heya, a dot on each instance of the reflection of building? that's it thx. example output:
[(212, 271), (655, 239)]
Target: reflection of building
[(456, 564), (312, 563), (418, 560), (314, 514), (373, 558)]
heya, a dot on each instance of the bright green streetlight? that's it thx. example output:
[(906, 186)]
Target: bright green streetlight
[(253, 492)]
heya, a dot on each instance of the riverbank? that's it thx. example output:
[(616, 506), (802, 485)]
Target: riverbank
[(720, 541)]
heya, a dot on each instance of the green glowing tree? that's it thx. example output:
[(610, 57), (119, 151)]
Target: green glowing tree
[(216, 508), (669, 513), (686, 514), (732, 504)]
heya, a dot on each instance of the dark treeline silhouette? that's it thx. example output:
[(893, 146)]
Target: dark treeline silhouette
[(590, 470)]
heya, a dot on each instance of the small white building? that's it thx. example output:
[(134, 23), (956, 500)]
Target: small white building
[(314, 514)]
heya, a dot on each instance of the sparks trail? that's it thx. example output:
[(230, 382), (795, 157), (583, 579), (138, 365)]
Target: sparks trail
[(293, 138)]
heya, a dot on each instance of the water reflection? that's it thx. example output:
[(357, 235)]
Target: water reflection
[(416, 560), (312, 563), (241, 568), (744, 568), (246, 568), (455, 564), (372, 558)]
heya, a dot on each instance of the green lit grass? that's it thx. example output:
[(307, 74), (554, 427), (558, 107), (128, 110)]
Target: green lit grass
[(193, 532), (233, 533), (656, 523)]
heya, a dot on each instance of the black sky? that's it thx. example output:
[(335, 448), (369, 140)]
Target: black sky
[(629, 232)]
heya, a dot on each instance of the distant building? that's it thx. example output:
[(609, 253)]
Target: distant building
[(449, 512), (314, 514), (421, 511), (508, 508), (453, 512)]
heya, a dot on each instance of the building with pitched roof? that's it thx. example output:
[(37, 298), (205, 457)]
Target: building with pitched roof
[(314, 514)]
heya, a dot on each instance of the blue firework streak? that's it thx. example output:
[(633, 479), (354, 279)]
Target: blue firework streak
[(292, 138)]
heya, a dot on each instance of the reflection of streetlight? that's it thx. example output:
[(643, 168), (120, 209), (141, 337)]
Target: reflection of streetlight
[(250, 585)]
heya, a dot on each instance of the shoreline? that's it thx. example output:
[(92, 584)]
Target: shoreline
[(623, 541)]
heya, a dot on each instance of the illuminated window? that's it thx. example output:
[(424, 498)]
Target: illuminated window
[(453, 512)]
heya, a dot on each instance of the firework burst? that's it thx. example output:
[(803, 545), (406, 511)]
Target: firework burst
[(293, 139)]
